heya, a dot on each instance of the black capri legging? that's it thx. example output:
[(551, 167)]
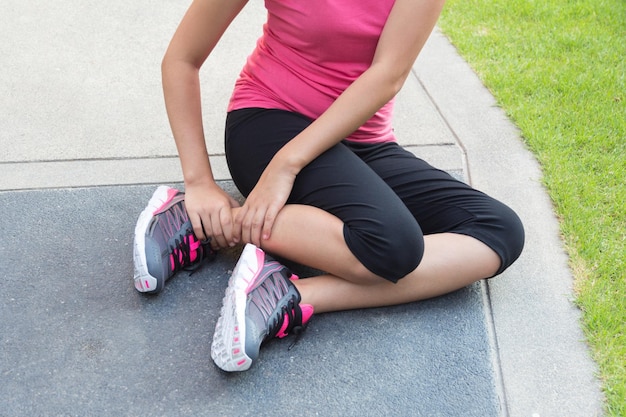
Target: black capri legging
[(387, 198)]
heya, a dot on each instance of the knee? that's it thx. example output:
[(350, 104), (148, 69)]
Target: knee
[(514, 240), (403, 255), (391, 251), (504, 233)]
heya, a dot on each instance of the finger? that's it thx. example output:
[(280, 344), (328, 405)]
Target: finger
[(198, 227), (247, 228), (217, 233), (237, 224), (257, 226), (226, 222), (268, 223)]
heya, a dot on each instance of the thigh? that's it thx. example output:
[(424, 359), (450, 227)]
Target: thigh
[(252, 138), (441, 203), (335, 181), (438, 201), (378, 228)]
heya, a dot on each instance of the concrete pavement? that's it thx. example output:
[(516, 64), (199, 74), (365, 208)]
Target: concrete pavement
[(85, 140)]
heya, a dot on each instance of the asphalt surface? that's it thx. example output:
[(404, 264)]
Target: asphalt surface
[(85, 142)]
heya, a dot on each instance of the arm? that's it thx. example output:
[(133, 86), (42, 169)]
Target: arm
[(408, 27), (198, 33)]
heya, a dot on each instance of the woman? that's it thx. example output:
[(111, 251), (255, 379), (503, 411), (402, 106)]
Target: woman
[(309, 143)]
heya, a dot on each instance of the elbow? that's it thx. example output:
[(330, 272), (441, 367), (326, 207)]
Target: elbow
[(166, 64), (175, 60), (396, 83), (174, 68), (392, 77), (398, 77)]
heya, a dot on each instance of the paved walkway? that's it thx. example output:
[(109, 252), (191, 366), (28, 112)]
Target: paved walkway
[(85, 140)]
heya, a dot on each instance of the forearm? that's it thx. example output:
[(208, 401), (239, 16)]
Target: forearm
[(198, 33), (181, 89), (351, 109), (408, 27)]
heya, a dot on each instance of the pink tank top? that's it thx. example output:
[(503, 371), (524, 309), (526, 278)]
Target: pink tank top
[(309, 53)]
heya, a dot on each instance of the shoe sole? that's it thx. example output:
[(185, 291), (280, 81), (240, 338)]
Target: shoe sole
[(228, 347), (144, 282)]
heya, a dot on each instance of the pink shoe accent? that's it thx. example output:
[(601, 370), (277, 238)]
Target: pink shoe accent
[(194, 244), (260, 264), (171, 193), (146, 284), (307, 312), (260, 260)]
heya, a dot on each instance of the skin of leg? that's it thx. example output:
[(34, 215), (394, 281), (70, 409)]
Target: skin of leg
[(313, 237)]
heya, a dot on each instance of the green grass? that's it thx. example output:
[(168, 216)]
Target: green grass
[(558, 69)]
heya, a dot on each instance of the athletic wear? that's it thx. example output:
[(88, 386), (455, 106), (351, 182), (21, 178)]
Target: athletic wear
[(164, 241), (386, 197), (310, 52), (260, 303)]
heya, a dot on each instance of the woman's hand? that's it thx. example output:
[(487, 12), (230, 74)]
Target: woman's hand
[(254, 222), (210, 211)]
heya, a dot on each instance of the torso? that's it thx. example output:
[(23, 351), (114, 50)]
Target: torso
[(310, 52)]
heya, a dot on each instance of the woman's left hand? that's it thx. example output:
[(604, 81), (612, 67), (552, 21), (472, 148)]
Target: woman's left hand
[(254, 221)]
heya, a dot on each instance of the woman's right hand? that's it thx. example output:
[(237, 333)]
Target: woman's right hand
[(210, 211)]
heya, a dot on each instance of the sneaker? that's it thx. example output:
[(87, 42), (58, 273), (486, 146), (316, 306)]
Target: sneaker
[(261, 302), (165, 242)]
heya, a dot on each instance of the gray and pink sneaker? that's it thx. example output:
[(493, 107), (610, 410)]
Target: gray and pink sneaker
[(261, 302), (165, 242)]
